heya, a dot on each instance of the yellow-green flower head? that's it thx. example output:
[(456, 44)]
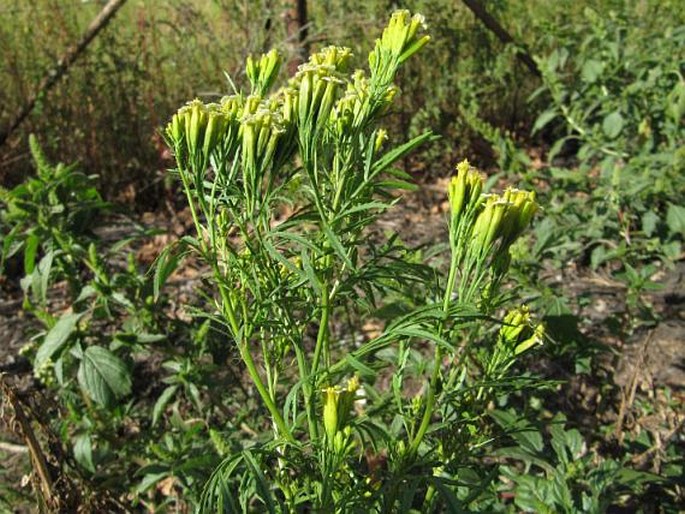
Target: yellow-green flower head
[(358, 86), (353, 385), (464, 189), (381, 137), (502, 218), (251, 105), (486, 228), (348, 110), (231, 106), (336, 57), (175, 129), (262, 73), (287, 99), (342, 115), (519, 332), (196, 122), (201, 127), (180, 122), (318, 86), (390, 94), (400, 38), (260, 131), (216, 126), (330, 411), (519, 215), (337, 406)]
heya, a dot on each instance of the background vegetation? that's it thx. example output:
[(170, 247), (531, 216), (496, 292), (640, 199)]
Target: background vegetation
[(153, 56), (598, 135)]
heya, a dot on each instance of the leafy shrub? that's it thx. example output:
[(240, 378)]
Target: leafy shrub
[(48, 220), (620, 94), (283, 284)]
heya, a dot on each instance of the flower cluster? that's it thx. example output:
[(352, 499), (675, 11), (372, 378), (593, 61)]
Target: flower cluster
[(519, 333), (337, 406), (487, 224), (464, 194), (318, 83), (195, 129), (262, 72), (400, 39), (322, 98), (261, 127)]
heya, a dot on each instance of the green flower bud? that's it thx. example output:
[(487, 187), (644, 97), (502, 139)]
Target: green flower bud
[(252, 71), (536, 338), (499, 209), (518, 216), (337, 406), (331, 86), (518, 332), (414, 47), (286, 101), (417, 21), (456, 193), (249, 144), (487, 224), (381, 137), (252, 104), (215, 127), (526, 212), (464, 190), (304, 99), (197, 124), (262, 73), (399, 39), (231, 107), (335, 57), (174, 130), (374, 56), (330, 411), (343, 443)]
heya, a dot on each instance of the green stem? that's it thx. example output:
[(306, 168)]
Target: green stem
[(322, 335), (266, 397), (307, 389), (191, 202), (430, 397), (229, 312), (251, 367)]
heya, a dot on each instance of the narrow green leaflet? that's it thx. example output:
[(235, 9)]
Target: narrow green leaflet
[(30, 251), (165, 265), (260, 481), (398, 153), (338, 247), (162, 402)]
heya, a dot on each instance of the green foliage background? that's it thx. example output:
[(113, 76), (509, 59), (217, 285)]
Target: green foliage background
[(154, 55)]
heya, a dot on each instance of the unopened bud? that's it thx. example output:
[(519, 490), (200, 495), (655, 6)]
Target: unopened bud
[(518, 331), (381, 137), (330, 411)]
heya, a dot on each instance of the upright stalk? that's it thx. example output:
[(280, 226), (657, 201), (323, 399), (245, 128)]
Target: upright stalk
[(263, 392), (308, 396), (430, 396), (322, 334), (243, 348)]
